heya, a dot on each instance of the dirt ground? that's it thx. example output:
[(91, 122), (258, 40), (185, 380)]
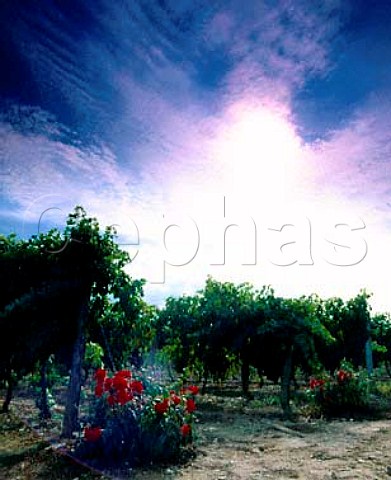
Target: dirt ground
[(252, 450), (238, 440), (245, 447)]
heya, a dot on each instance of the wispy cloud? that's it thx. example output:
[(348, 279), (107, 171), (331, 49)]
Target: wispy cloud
[(141, 109), (76, 56), (277, 49), (355, 160), (43, 173)]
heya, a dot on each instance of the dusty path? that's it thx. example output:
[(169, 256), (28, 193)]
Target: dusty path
[(236, 442), (243, 447), (337, 450)]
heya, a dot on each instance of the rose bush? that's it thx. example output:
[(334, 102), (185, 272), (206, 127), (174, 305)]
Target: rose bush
[(137, 423), (343, 393)]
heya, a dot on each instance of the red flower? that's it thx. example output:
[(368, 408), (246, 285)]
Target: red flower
[(175, 399), (185, 429), (111, 400), (123, 397), (316, 382), (136, 386), (108, 384), (193, 389), (124, 373), (100, 375), (99, 390), (162, 407), (119, 382), (92, 434), (312, 383), (190, 405), (342, 375)]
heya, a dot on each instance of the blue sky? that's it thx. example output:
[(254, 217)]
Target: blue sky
[(184, 123)]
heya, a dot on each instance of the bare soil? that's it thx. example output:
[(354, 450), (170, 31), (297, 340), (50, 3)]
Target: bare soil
[(237, 442), (26, 455), (240, 447), (242, 440)]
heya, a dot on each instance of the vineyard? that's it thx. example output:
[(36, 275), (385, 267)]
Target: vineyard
[(230, 382)]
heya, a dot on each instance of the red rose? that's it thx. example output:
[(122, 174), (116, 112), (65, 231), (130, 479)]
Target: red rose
[(190, 405), (342, 375), (108, 384), (136, 386), (162, 407), (124, 373), (111, 400), (99, 390), (123, 397), (175, 399), (119, 382), (316, 382), (92, 434), (100, 375), (193, 389), (185, 429)]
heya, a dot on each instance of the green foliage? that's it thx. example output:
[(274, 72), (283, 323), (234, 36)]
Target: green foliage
[(54, 373), (93, 356), (381, 339), (349, 324), (295, 323), (124, 324), (207, 332), (383, 389), (176, 326), (44, 281), (53, 286), (226, 325)]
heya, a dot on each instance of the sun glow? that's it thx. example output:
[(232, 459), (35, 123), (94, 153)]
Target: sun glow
[(257, 150)]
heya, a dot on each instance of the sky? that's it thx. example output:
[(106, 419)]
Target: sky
[(247, 140)]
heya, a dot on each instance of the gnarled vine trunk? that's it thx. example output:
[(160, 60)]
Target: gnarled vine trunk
[(10, 390), (245, 374), (71, 415), (286, 382), (44, 408)]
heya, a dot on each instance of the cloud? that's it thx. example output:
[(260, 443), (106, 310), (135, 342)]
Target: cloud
[(145, 106), (280, 46), (269, 52), (342, 179), (354, 161), (44, 173), (192, 50)]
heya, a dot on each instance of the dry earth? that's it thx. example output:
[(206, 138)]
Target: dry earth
[(240, 440), (246, 447)]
